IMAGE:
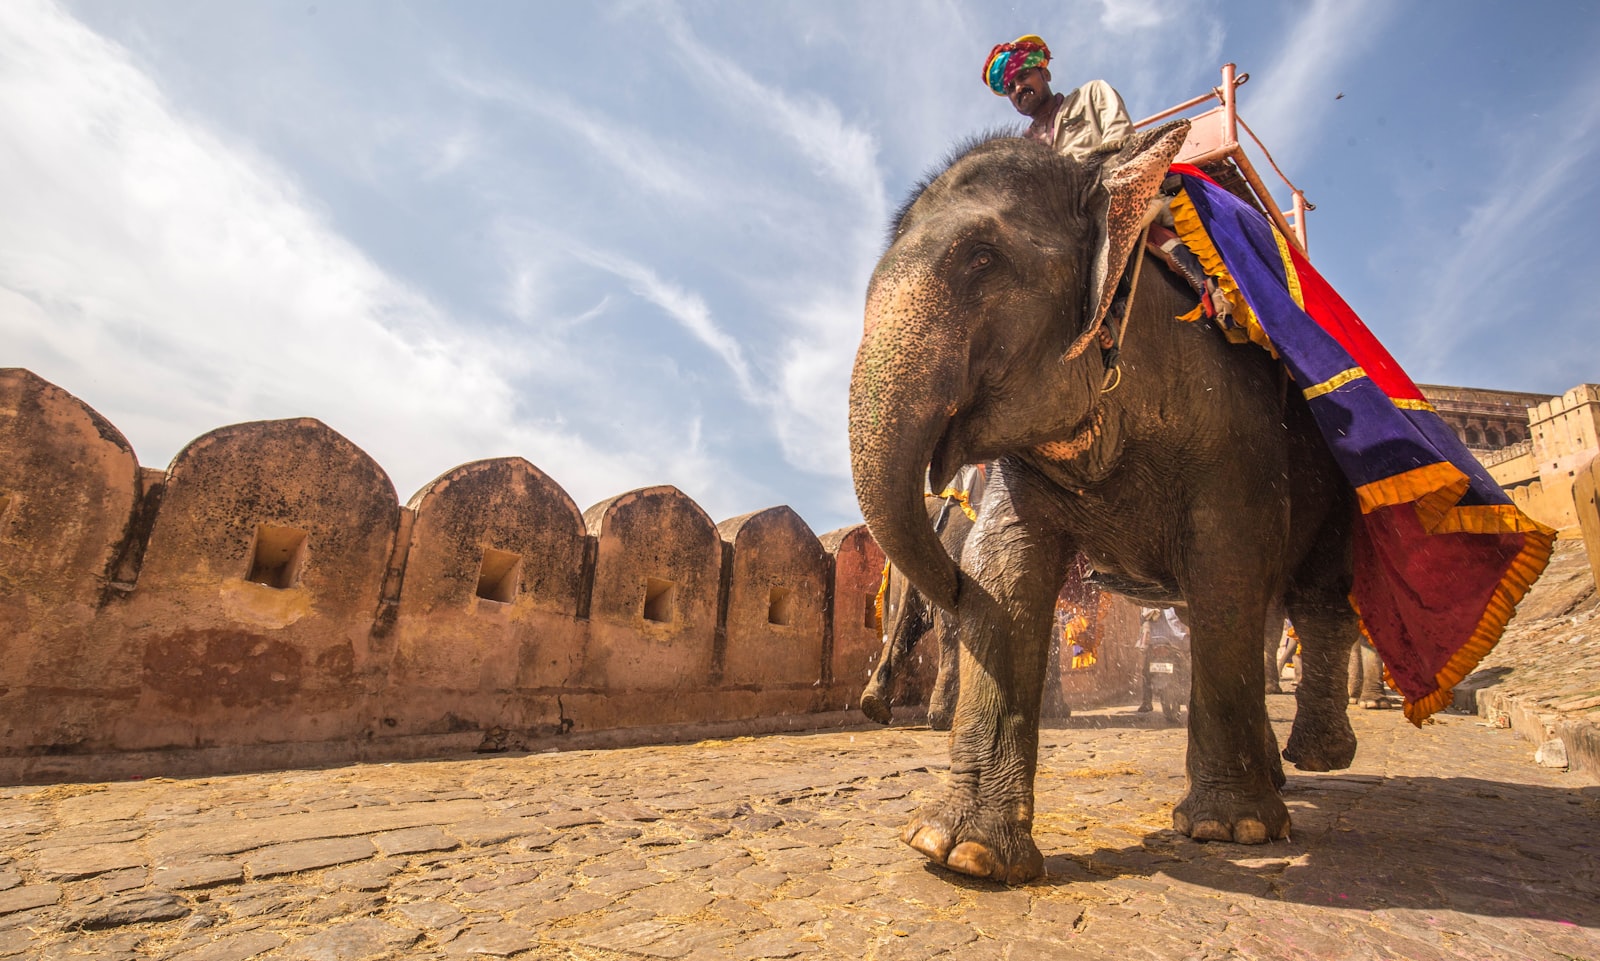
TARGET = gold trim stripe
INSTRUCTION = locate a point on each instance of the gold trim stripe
(1334, 383)
(1289, 273)
(1412, 404)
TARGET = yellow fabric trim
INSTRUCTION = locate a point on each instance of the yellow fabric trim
(1193, 233)
(883, 588)
(1413, 405)
(1489, 519)
(1334, 383)
(1289, 273)
(962, 498)
(1434, 489)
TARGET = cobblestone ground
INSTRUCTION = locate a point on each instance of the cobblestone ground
(1443, 842)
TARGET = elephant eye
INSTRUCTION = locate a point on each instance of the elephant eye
(981, 259)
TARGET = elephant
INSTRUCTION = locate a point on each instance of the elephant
(1181, 465)
(908, 617)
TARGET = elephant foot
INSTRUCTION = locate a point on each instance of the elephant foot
(1230, 816)
(974, 843)
(876, 708)
(1274, 686)
(1373, 704)
(940, 718)
(1319, 743)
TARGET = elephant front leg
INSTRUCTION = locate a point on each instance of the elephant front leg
(982, 825)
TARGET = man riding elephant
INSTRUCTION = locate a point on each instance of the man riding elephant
(1194, 477)
(1087, 121)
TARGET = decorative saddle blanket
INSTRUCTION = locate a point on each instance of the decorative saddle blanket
(1442, 556)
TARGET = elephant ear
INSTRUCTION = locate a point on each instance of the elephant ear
(1131, 178)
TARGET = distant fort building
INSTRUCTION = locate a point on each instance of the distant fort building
(1534, 445)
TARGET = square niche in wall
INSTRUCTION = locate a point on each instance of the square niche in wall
(499, 576)
(660, 600)
(780, 606)
(278, 556)
(871, 621)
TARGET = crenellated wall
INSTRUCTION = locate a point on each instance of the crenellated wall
(1563, 435)
(267, 600)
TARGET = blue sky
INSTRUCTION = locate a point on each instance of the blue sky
(630, 241)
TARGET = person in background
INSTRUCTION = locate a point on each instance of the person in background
(1158, 625)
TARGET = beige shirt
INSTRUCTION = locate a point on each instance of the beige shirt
(1090, 118)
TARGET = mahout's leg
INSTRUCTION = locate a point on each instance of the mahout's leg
(1013, 567)
(1319, 607)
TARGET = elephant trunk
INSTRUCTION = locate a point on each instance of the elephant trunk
(908, 375)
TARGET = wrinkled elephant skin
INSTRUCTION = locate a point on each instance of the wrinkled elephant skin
(1201, 472)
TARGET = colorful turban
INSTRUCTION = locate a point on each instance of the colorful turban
(1007, 60)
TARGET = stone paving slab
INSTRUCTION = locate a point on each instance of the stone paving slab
(1442, 842)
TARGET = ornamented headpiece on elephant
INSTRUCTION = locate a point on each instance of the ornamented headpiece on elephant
(1007, 60)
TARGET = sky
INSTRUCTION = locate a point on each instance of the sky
(630, 241)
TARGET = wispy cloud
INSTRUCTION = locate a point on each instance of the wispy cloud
(646, 162)
(685, 307)
(179, 282)
(1123, 16)
(1290, 95)
(810, 124)
(1504, 241)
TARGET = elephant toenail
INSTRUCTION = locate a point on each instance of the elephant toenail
(928, 840)
(1211, 831)
(1249, 831)
(970, 857)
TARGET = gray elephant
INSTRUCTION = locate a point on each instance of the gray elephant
(908, 617)
(1194, 478)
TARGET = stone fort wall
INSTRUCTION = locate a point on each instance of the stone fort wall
(1540, 473)
(267, 600)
